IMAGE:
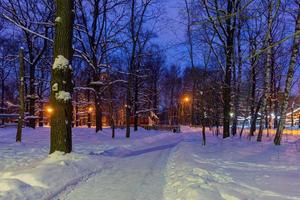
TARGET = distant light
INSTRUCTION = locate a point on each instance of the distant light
(186, 99)
(49, 110)
(231, 114)
(90, 109)
(272, 115)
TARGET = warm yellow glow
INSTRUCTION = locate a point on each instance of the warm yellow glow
(186, 99)
(90, 109)
(49, 110)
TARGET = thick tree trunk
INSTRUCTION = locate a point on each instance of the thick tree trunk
(289, 81)
(21, 97)
(61, 82)
(230, 29)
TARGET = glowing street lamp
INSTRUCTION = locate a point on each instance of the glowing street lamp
(49, 110)
(90, 109)
(186, 99)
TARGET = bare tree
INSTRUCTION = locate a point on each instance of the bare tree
(266, 92)
(223, 23)
(138, 10)
(97, 37)
(33, 17)
(289, 79)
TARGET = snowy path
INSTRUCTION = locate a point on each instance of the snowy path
(151, 165)
(139, 175)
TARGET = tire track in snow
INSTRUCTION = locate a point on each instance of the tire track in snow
(137, 175)
(73, 184)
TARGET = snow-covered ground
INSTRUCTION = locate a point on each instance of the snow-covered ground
(151, 165)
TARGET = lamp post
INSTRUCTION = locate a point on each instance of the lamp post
(185, 102)
(90, 110)
(49, 111)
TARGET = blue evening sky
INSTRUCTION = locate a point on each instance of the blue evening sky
(171, 33)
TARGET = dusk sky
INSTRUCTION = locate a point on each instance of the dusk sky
(172, 32)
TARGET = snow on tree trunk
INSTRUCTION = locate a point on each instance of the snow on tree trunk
(238, 80)
(266, 92)
(253, 113)
(61, 82)
(289, 80)
(21, 96)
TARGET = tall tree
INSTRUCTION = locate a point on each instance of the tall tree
(137, 19)
(289, 79)
(97, 37)
(191, 55)
(238, 75)
(266, 89)
(34, 19)
(61, 82)
(223, 21)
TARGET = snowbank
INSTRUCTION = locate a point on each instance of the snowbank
(233, 169)
(150, 165)
(46, 178)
